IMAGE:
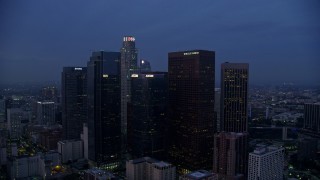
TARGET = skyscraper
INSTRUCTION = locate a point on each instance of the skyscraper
(234, 97)
(74, 97)
(46, 113)
(104, 105)
(233, 138)
(128, 64)
(191, 109)
(312, 117)
(146, 125)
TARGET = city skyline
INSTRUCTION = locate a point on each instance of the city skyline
(218, 90)
(269, 36)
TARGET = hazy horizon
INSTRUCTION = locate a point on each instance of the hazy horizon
(279, 39)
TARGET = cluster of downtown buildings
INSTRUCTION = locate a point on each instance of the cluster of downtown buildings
(140, 124)
(130, 112)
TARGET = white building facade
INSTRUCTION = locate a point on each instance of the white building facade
(266, 163)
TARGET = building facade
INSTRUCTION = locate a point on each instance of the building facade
(104, 108)
(266, 163)
(15, 119)
(70, 150)
(234, 97)
(312, 117)
(147, 168)
(148, 114)
(73, 99)
(129, 65)
(191, 109)
(231, 144)
(46, 113)
(229, 160)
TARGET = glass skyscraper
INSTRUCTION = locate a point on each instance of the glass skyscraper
(73, 98)
(129, 65)
(148, 114)
(104, 109)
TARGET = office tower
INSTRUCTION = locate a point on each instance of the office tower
(233, 121)
(129, 65)
(15, 119)
(70, 150)
(74, 97)
(234, 97)
(3, 109)
(312, 117)
(229, 159)
(191, 109)
(145, 66)
(148, 115)
(199, 175)
(266, 163)
(217, 109)
(147, 168)
(45, 113)
(3, 147)
(104, 102)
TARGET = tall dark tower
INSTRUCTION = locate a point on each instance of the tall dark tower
(230, 145)
(146, 127)
(74, 98)
(129, 65)
(191, 109)
(104, 108)
(234, 97)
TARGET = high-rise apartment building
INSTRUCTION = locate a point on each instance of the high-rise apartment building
(234, 97)
(74, 97)
(148, 114)
(312, 117)
(104, 105)
(191, 109)
(266, 163)
(46, 113)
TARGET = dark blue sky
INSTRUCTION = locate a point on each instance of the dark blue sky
(280, 39)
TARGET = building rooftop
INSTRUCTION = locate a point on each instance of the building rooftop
(261, 150)
(162, 164)
(199, 174)
(143, 159)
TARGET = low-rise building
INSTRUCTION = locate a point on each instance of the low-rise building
(147, 168)
(70, 150)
